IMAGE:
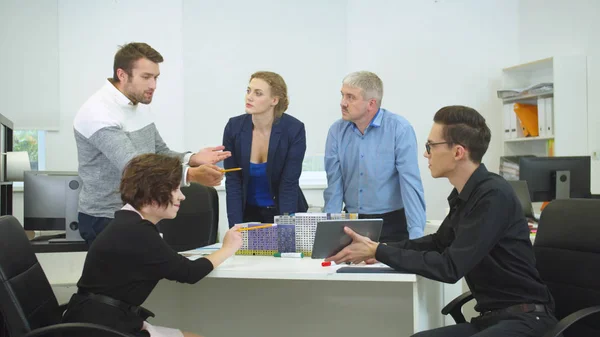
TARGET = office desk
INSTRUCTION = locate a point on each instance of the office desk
(267, 296)
(55, 247)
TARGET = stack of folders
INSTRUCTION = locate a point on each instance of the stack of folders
(509, 167)
(535, 89)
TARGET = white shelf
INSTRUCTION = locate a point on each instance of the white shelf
(527, 139)
(569, 99)
(527, 97)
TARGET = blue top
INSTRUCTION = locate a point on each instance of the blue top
(258, 186)
(377, 172)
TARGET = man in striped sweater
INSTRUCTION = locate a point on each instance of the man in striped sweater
(114, 125)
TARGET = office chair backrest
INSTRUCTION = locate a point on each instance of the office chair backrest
(197, 221)
(26, 298)
(567, 250)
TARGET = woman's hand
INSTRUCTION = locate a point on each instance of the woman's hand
(233, 239)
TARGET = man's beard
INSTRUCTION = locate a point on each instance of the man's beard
(141, 98)
(136, 97)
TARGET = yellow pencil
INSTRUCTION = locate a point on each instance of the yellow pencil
(231, 169)
(255, 227)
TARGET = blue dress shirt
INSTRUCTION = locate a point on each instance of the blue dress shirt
(377, 172)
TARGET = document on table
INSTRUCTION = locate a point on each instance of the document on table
(197, 253)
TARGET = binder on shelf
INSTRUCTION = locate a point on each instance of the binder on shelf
(549, 115)
(508, 111)
(519, 132)
(514, 124)
(528, 116)
(541, 110)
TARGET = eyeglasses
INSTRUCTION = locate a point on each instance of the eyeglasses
(428, 145)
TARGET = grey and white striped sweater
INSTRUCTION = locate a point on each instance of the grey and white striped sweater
(109, 132)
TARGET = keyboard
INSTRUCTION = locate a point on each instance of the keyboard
(48, 237)
(370, 270)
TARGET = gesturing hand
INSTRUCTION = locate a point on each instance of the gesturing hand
(209, 155)
(361, 249)
(207, 175)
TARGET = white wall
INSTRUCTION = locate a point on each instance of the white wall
(554, 28)
(89, 35)
(431, 54)
(225, 42)
(29, 59)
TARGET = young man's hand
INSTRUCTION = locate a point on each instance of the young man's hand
(207, 175)
(209, 155)
(361, 249)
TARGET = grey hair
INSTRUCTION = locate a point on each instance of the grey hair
(370, 83)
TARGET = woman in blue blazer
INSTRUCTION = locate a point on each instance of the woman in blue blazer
(269, 146)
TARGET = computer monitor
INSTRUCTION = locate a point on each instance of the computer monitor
(522, 191)
(550, 178)
(50, 202)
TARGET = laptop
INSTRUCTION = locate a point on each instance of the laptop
(522, 191)
(330, 237)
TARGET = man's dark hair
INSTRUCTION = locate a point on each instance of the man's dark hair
(131, 52)
(150, 178)
(465, 126)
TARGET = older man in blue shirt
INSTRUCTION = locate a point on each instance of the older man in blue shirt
(371, 162)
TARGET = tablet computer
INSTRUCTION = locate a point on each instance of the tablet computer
(330, 237)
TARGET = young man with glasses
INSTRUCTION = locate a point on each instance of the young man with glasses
(484, 238)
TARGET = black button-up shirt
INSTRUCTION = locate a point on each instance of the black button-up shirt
(484, 238)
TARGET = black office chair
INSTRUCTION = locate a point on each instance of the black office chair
(197, 221)
(28, 306)
(568, 255)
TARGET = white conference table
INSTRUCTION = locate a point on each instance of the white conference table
(263, 296)
(267, 296)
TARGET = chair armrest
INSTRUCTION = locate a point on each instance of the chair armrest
(454, 308)
(570, 320)
(52, 329)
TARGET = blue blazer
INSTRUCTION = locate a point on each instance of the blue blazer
(287, 145)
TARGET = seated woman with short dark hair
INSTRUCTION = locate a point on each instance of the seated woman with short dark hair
(129, 257)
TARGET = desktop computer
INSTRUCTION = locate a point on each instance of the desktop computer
(550, 178)
(50, 202)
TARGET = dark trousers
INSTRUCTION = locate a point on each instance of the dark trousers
(394, 225)
(91, 226)
(531, 324)
(259, 214)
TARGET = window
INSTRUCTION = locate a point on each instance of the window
(314, 163)
(34, 143)
(313, 171)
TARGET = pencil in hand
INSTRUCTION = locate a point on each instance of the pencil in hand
(255, 227)
(231, 169)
